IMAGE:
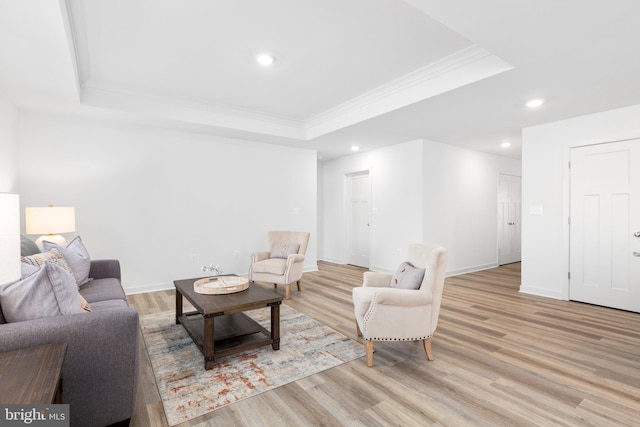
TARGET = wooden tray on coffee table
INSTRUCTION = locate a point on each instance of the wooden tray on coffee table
(220, 285)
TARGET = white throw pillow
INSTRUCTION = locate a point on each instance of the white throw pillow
(407, 277)
(283, 250)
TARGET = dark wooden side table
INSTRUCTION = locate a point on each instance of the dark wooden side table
(32, 375)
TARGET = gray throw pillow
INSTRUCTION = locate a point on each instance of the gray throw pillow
(283, 250)
(47, 292)
(76, 256)
(407, 277)
(27, 246)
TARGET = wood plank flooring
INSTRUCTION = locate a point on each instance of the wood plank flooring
(502, 358)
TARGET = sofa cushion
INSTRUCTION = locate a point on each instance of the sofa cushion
(108, 305)
(407, 277)
(76, 256)
(49, 291)
(283, 250)
(102, 290)
(271, 266)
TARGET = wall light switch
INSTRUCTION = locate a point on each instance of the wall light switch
(296, 211)
(535, 210)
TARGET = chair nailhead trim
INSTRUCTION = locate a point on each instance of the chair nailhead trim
(397, 339)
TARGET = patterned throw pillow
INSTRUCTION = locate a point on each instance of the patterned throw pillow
(84, 305)
(283, 250)
(35, 262)
(407, 277)
(77, 258)
(53, 256)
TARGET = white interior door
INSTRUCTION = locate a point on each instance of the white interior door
(509, 213)
(359, 218)
(604, 256)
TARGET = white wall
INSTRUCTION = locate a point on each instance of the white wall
(8, 145)
(545, 182)
(461, 203)
(396, 183)
(423, 191)
(153, 198)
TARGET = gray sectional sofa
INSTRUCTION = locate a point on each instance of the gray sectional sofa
(100, 371)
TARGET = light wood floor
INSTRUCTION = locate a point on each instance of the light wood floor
(502, 358)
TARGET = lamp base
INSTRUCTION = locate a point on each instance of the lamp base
(53, 238)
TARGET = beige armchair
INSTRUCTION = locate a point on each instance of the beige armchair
(385, 313)
(284, 264)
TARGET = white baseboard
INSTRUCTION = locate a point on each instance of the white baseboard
(471, 269)
(380, 269)
(131, 290)
(331, 260)
(541, 292)
(310, 268)
(148, 288)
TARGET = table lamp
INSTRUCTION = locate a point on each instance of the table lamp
(9, 238)
(49, 222)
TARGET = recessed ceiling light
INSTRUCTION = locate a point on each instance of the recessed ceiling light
(534, 103)
(505, 144)
(354, 148)
(265, 59)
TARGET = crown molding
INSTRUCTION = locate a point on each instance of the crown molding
(458, 69)
(100, 94)
(77, 38)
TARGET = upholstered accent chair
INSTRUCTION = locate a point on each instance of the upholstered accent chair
(283, 264)
(386, 313)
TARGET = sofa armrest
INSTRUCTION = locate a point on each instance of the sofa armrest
(100, 369)
(105, 269)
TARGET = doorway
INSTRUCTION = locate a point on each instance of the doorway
(604, 254)
(358, 194)
(509, 214)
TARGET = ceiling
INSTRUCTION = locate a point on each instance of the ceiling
(359, 72)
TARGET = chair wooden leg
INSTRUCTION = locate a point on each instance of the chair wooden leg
(287, 292)
(358, 331)
(369, 349)
(427, 349)
(298, 283)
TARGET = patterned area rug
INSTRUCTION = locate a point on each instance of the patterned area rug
(188, 390)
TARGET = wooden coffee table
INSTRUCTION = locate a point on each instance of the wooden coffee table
(219, 326)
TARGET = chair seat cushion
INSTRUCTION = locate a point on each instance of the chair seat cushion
(270, 266)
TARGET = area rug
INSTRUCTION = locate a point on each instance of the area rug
(188, 390)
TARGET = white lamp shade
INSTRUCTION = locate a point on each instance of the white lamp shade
(9, 238)
(50, 220)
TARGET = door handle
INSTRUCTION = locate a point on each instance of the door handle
(637, 234)
(636, 254)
